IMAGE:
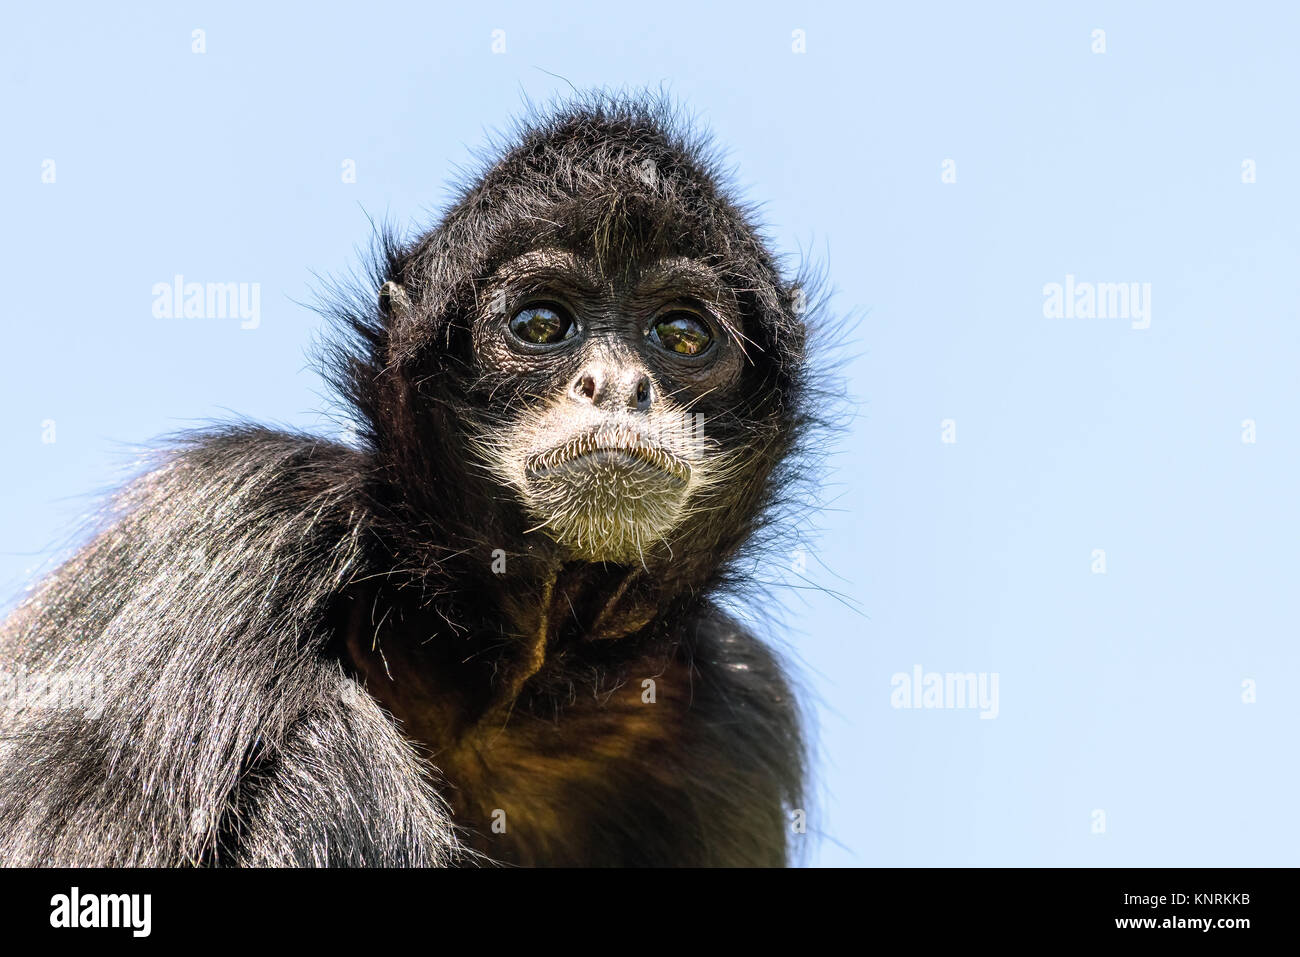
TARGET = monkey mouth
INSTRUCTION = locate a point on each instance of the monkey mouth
(617, 449)
(606, 494)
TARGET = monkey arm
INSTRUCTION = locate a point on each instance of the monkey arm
(206, 723)
(745, 751)
(342, 789)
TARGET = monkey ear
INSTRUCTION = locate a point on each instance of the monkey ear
(393, 301)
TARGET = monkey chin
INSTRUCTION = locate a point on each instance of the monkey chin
(608, 505)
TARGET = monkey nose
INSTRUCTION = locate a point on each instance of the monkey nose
(599, 388)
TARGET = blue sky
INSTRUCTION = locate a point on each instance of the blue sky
(1119, 692)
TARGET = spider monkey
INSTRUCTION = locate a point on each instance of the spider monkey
(488, 629)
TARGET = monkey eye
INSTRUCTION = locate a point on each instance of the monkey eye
(682, 333)
(542, 325)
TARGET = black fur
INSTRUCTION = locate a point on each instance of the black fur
(305, 655)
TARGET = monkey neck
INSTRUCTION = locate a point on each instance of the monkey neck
(465, 664)
(583, 601)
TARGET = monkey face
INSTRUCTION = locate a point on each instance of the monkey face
(593, 384)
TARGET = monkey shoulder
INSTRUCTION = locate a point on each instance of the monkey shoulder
(730, 655)
(187, 639)
(235, 529)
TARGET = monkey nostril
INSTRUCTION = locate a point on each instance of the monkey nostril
(585, 386)
(643, 393)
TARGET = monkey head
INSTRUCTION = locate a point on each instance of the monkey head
(594, 347)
